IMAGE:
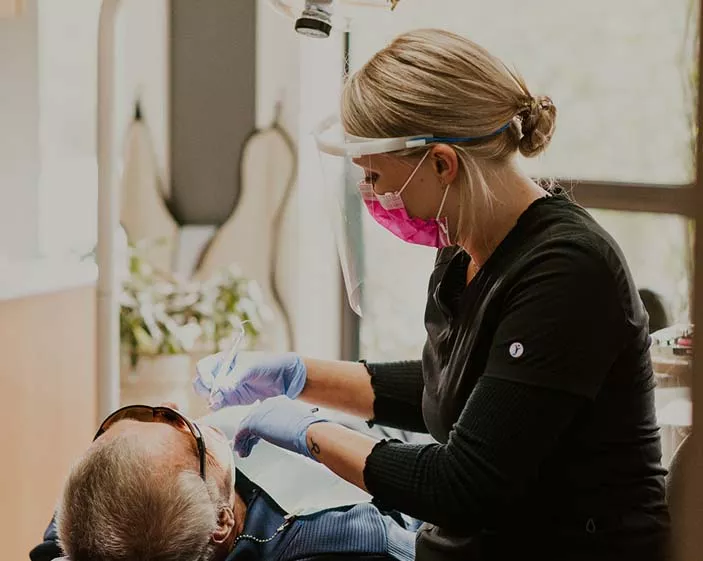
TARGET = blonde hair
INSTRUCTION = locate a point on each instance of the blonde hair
(431, 81)
(119, 505)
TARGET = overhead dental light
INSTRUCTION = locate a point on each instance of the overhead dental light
(317, 18)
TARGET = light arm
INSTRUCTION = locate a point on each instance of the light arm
(108, 339)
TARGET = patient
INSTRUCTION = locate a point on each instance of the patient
(155, 486)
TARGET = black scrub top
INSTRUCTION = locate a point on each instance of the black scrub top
(537, 384)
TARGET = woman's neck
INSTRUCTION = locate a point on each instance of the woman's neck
(513, 192)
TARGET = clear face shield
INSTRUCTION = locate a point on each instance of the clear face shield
(347, 192)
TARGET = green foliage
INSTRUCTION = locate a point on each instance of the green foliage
(162, 314)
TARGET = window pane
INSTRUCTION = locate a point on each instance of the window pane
(655, 247)
(395, 289)
(616, 71)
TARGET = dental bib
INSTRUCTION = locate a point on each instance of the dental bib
(299, 485)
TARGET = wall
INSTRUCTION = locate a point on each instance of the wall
(48, 200)
(143, 72)
(68, 98)
(41, 448)
(68, 189)
(304, 75)
(11, 8)
(19, 148)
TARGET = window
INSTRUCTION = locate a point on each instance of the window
(395, 288)
(616, 76)
(658, 251)
(620, 79)
(656, 247)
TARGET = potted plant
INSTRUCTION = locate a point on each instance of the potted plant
(166, 323)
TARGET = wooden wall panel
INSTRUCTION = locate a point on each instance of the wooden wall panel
(47, 406)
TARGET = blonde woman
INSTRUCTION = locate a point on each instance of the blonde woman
(535, 381)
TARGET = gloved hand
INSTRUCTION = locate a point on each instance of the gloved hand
(276, 375)
(280, 421)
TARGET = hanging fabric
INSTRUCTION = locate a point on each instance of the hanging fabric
(143, 211)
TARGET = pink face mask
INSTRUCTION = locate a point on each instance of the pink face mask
(389, 211)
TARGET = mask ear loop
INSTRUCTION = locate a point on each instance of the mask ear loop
(444, 225)
(417, 167)
(367, 174)
(444, 198)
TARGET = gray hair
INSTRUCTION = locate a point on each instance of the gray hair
(120, 505)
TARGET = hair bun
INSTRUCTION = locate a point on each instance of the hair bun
(538, 123)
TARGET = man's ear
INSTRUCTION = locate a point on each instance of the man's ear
(225, 525)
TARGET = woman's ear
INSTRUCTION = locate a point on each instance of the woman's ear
(445, 163)
(225, 525)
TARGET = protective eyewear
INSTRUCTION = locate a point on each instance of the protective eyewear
(149, 414)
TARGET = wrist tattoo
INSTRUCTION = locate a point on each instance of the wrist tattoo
(314, 447)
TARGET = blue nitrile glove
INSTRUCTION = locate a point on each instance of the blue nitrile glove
(276, 375)
(280, 421)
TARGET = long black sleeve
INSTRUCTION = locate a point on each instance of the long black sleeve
(493, 453)
(398, 388)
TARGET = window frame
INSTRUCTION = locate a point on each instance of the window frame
(634, 197)
(690, 511)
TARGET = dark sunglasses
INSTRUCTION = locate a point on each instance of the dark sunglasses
(148, 414)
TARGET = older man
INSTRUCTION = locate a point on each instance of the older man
(156, 486)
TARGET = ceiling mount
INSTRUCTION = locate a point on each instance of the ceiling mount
(318, 18)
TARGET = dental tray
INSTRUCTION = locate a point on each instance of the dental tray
(674, 341)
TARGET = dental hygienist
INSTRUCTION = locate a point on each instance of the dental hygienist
(535, 380)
